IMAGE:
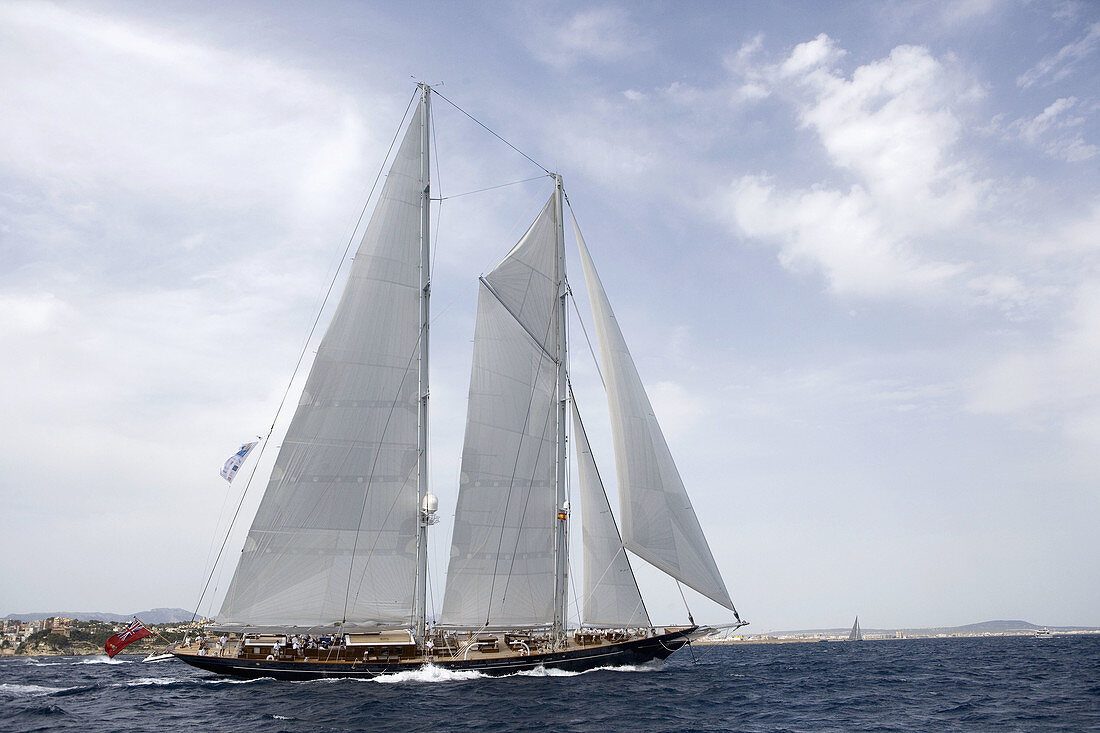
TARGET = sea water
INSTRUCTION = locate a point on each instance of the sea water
(999, 683)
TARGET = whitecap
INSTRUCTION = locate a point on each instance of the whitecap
(18, 690)
(428, 673)
(103, 659)
(146, 681)
(554, 672)
(627, 668)
(545, 672)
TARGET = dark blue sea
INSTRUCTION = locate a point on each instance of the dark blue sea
(1002, 684)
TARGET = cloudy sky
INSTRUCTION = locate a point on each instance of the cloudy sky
(855, 248)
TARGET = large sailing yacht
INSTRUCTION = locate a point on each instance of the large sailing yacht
(331, 581)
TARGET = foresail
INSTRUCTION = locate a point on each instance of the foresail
(334, 539)
(501, 569)
(658, 521)
(611, 596)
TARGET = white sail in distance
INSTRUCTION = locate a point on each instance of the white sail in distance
(501, 570)
(334, 539)
(658, 522)
(611, 596)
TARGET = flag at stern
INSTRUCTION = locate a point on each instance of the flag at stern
(134, 632)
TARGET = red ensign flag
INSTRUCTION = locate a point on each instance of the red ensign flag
(124, 638)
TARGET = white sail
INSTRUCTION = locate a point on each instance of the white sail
(334, 539)
(658, 522)
(611, 596)
(501, 570)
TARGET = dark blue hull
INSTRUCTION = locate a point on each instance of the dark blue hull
(635, 651)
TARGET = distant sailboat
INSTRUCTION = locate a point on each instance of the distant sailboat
(855, 634)
(332, 578)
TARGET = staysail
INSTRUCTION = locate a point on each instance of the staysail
(334, 539)
(611, 596)
(501, 570)
(658, 521)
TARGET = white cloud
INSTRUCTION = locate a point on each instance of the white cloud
(839, 233)
(1055, 130)
(807, 57)
(602, 34)
(117, 108)
(1051, 384)
(1061, 64)
(891, 126)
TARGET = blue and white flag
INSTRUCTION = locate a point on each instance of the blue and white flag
(229, 470)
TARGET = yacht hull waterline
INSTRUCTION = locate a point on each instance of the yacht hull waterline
(627, 653)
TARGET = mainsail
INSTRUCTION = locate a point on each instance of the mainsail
(334, 540)
(501, 570)
(611, 596)
(658, 522)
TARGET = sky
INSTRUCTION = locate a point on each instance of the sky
(854, 247)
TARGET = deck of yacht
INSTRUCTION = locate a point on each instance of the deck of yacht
(399, 647)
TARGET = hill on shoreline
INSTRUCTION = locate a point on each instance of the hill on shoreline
(150, 616)
(982, 627)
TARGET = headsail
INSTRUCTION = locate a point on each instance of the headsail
(611, 596)
(658, 521)
(501, 570)
(334, 540)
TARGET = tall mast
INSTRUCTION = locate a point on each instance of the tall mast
(422, 511)
(561, 544)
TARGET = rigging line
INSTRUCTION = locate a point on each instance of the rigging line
(494, 134)
(685, 600)
(591, 350)
(221, 515)
(538, 344)
(489, 188)
(233, 521)
(576, 595)
(439, 209)
(584, 330)
(301, 355)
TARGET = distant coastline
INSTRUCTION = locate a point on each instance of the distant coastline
(42, 634)
(84, 634)
(969, 631)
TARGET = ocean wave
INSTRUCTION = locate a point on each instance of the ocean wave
(428, 673)
(151, 681)
(545, 672)
(553, 672)
(8, 688)
(103, 659)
